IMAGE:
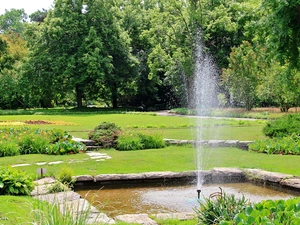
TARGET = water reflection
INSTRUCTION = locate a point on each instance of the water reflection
(151, 200)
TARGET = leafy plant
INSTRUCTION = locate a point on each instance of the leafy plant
(220, 207)
(270, 212)
(14, 182)
(289, 145)
(65, 147)
(105, 134)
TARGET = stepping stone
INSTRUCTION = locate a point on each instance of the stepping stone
(19, 165)
(41, 163)
(55, 163)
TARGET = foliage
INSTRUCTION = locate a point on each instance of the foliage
(13, 21)
(14, 182)
(242, 75)
(105, 134)
(219, 207)
(270, 212)
(8, 148)
(287, 145)
(283, 126)
(94, 55)
(57, 186)
(26, 140)
(281, 30)
(65, 176)
(63, 147)
(51, 214)
(136, 141)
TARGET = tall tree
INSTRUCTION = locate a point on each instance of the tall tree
(13, 21)
(82, 47)
(281, 30)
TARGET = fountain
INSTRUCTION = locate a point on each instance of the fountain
(203, 97)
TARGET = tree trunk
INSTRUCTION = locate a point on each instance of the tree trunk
(114, 95)
(79, 96)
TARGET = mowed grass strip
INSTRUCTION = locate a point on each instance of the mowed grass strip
(172, 158)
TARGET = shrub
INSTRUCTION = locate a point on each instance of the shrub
(220, 207)
(8, 148)
(137, 141)
(128, 142)
(150, 141)
(14, 182)
(105, 134)
(33, 144)
(283, 126)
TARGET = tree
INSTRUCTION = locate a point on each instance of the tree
(38, 16)
(243, 74)
(281, 30)
(13, 21)
(79, 48)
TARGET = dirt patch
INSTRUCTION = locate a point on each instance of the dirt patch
(33, 122)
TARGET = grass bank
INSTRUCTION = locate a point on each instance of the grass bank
(172, 158)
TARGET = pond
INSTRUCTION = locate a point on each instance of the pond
(153, 199)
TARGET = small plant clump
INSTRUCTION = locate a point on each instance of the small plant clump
(137, 141)
(220, 207)
(105, 134)
(14, 182)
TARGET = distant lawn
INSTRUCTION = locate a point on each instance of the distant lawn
(173, 127)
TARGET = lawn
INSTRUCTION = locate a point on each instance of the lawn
(172, 158)
(173, 127)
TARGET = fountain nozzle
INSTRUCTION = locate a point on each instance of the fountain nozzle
(198, 191)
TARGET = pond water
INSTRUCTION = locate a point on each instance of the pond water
(166, 199)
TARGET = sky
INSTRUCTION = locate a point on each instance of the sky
(29, 6)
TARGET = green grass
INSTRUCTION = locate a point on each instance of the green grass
(172, 158)
(16, 210)
(171, 127)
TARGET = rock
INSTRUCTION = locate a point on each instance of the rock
(266, 176)
(179, 216)
(60, 197)
(136, 218)
(84, 178)
(292, 183)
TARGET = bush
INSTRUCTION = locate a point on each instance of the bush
(8, 148)
(24, 140)
(105, 134)
(289, 145)
(283, 126)
(33, 144)
(14, 182)
(220, 207)
(128, 142)
(137, 141)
